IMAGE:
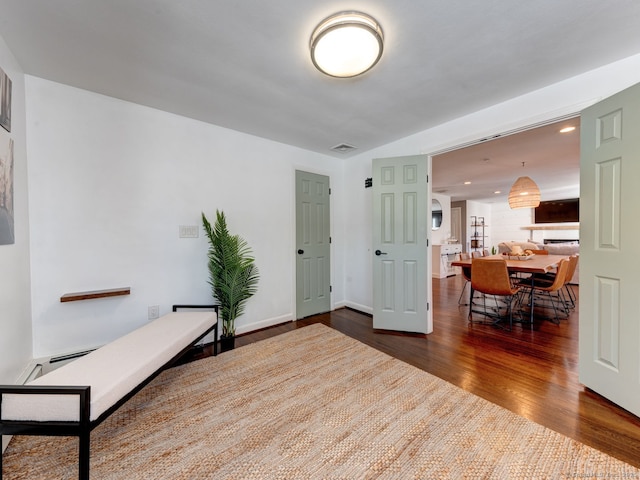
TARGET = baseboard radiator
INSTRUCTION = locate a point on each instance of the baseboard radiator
(39, 367)
(33, 371)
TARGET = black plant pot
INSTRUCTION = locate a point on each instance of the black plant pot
(227, 343)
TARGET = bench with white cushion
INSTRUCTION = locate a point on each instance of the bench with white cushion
(74, 399)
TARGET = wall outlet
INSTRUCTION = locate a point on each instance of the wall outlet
(154, 311)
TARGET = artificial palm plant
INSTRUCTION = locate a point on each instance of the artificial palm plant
(233, 274)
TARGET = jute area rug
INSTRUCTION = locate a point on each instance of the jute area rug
(311, 404)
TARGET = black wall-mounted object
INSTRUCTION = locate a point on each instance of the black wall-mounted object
(558, 211)
(368, 182)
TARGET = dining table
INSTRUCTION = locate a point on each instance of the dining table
(533, 264)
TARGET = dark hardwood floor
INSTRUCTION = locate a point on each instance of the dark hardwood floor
(532, 373)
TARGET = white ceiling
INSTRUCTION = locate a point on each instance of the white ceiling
(245, 64)
(551, 159)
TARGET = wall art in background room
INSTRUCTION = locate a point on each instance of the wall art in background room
(5, 101)
(7, 236)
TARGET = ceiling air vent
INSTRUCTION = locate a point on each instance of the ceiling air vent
(343, 148)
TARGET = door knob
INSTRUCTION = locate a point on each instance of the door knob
(300, 251)
(378, 252)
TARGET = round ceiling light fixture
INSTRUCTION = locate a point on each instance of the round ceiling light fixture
(346, 44)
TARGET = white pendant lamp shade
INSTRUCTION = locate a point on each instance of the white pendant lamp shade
(524, 194)
(346, 44)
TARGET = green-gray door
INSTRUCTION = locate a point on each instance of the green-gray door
(609, 233)
(313, 244)
(401, 267)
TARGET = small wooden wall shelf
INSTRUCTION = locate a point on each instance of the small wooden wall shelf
(112, 292)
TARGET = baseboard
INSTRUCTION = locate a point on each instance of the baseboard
(269, 322)
(360, 308)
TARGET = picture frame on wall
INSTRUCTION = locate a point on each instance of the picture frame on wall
(7, 228)
(5, 101)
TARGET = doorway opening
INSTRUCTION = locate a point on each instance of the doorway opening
(476, 179)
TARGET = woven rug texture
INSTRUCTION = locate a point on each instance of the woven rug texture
(311, 404)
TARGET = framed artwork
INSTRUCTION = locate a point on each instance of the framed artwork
(7, 235)
(5, 101)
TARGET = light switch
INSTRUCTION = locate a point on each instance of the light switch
(189, 231)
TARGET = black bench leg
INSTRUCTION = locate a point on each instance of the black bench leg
(85, 451)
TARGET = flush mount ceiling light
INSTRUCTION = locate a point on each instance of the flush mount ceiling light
(524, 193)
(346, 44)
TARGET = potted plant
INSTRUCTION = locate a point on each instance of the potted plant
(233, 275)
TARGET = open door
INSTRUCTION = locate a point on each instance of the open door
(401, 225)
(609, 254)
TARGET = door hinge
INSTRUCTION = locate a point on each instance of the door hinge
(427, 178)
(329, 239)
(329, 191)
(428, 306)
(330, 289)
(427, 242)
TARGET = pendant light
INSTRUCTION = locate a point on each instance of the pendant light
(524, 193)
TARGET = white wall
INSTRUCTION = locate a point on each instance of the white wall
(111, 181)
(563, 98)
(15, 295)
(507, 223)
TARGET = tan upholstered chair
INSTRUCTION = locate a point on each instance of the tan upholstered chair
(549, 294)
(567, 294)
(466, 274)
(491, 277)
(570, 300)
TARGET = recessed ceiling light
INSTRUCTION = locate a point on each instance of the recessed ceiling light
(467, 183)
(346, 44)
(497, 191)
(567, 129)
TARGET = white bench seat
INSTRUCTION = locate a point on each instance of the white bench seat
(75, 398)
(111, 371)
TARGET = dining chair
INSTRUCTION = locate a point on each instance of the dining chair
(517, 277)
(573, 266)
(566, 293)
(491, 277)
(474, 254)
(551, 292)
(466, 274)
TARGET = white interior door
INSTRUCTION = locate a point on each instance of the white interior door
(609, 238)
(456, 224)
(313, 244)
(401, 267)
